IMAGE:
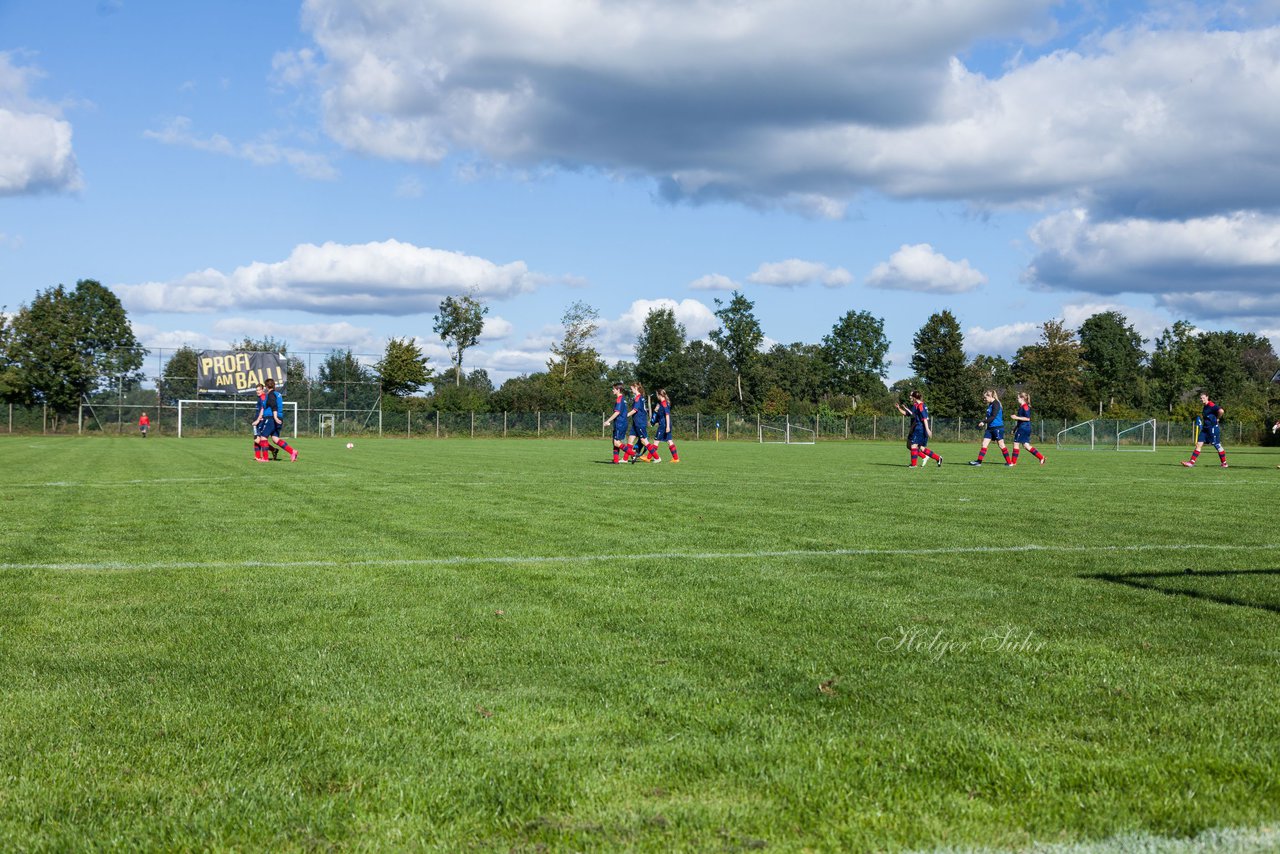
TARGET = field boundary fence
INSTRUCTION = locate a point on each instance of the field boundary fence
(331, 418)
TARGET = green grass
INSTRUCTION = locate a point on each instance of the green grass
(508, 644)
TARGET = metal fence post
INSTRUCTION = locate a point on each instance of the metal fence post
(504, 423)
(570, 425)
(473, 424)
(437, 423)
(697, 423)
(539, 423)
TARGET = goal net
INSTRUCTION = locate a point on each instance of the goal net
(1139, 437)
(223, 417)
(788, 434)
(1078, 437)
(1109, 434)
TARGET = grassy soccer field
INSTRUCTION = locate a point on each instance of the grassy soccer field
(497, 644)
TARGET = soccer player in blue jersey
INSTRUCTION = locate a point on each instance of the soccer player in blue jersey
(921, 430)
(618, 419)
(994, 422)
(662, 418)
(273, 419)
(640, 426)
(1022, 433)
(1210, 431)
(260, 446)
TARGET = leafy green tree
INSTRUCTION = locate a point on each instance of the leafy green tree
(1051, 369)
(799, 371)
(991, 372)
(710, 377)
(739, 337)
(178, 378)
(1112, 355)
(660, 361)
(472, 394)
(1175, 365)
(459, 324)
(403, 369)
(66, 344)
(344, 380)
(9, 374)
(939, 362)
(855, 352)
(574, 351)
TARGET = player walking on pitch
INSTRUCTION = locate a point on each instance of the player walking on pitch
(639, 416)
(662, 419)
(994, 422)
(921, 430)
(1210, 431)
(144, 424)
(272, 414)
(618, 419)
(1022, 433)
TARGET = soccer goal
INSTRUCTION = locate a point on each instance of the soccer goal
(789, 434)
(1139, 437)
(1078, 437)
(197, 417)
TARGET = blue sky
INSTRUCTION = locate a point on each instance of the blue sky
(325, 172)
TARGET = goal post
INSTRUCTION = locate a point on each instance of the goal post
(1139, 437)
(788, 434)
(1077, 437)
(225, 416)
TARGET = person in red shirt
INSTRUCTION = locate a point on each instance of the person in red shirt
(144, 424)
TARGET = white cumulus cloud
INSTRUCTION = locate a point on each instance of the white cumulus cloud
(390, 277)
(921, 268)
(35, 141)
(794, 273)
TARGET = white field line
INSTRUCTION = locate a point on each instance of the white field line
(481, 560)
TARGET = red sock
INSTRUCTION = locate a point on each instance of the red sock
(915, 456)
(1005, 451)
(925, 452)
(1222, 455)
(615, 454)
(284, 446)
(1194, 455)
(1038, 455)
(674, 455)
(982, 452)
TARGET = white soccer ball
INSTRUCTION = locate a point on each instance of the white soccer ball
(350, 445)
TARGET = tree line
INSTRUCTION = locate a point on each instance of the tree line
(69, 343)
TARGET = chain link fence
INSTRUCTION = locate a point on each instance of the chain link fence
(328, 416)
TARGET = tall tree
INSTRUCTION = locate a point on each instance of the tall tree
(709, 375)
(798, 370)
(1111, 350)
(403, 369)
(738, 337)
(9, 379)
(855, 351)
(1051, 370)
(1175, 365)
(991, 372)
(580, 323)
(939, 361)
(344, 380)
(459, 324)
(178, 378)
(66, 344)
(660, 361)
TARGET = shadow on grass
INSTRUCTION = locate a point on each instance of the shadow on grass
(1158, 582)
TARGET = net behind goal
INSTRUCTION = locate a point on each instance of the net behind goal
(787, 434)
(1109, 434)
(226, 417)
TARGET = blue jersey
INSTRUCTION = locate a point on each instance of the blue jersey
(641, 416)
(1210, 416)
(919, 415)
(1023, 429)
(273, 405)
(995, 414)
(620, 410)
(662, 418)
